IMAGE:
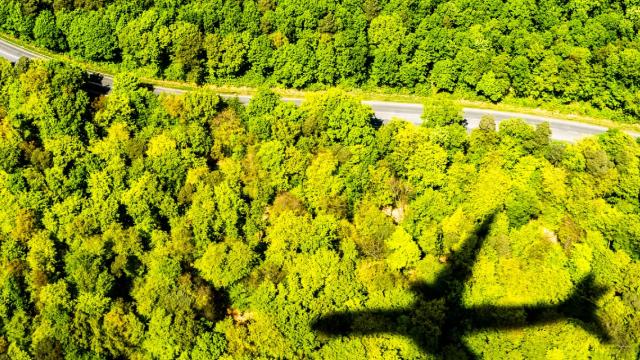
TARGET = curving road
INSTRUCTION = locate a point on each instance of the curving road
(563, 130)
(13, 53)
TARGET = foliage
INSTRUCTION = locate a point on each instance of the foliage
(558, 52)
(138, 226)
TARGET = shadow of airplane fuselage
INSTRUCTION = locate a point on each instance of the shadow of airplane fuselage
(438, 319)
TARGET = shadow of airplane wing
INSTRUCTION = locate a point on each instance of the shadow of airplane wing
(449, 281)
(433, 317)
(436, 328)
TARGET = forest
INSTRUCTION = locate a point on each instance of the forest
(547, 51)
(141, 226)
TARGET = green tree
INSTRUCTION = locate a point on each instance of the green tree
(91, 36)
(404, 252)
(444, 75)
(141, 226)
(186, 52)
(46, 32)
(226, 56)
(295, 64)
(338, 118)
(260, 55)
(224, 263)
(142, 42)
(386, 36)
(442, 113)
(492, 87)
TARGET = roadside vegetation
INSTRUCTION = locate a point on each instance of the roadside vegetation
(142, 226)
(578, 55)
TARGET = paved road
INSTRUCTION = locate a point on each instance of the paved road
(561, 129)
(13, 53)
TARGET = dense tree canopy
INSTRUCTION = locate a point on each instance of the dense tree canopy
(548, 50)
(142, 226)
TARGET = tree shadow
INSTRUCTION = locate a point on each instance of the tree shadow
(438, 319)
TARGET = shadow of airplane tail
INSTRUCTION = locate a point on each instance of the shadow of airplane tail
(438, 332)
(438, 319)
(358, 323)
(432, 322)
(423, 329)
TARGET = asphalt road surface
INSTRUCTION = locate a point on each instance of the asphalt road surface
(564, 130)
(13, 53)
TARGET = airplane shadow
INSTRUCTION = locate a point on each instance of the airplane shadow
(439, 319)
